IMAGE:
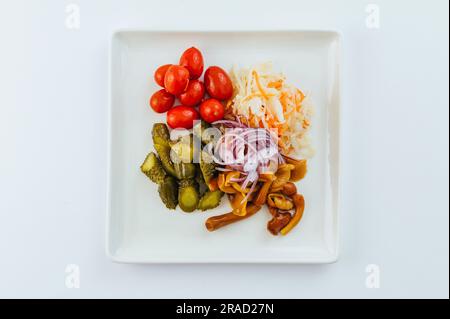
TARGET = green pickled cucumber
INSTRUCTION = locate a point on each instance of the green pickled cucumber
(199, 132)
(185, 170)
(207, 167)
(202, 187)
(160, 134)
(152, 167)
(182, 153)
(164, 154)
(188, 196)
(210, 200)
(168, 192)
(183, 148)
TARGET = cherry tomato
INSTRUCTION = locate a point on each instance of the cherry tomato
(182, 116)
(193, 94)
(218, 83)
(211, 110)
(192, 60)
(176, 79)
(160, 73)
(161, 101)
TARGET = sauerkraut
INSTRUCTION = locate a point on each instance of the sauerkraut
(263, 98)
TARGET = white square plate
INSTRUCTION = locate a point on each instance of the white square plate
(141, 229)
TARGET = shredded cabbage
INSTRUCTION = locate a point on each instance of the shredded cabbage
(262, 98)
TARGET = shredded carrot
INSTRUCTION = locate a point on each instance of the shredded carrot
(275, 84)
(305, 123)
(251, 96)
(258, 84)
(283, 101)
(302, 96)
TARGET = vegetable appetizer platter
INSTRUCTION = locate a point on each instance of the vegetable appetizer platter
(224, 147)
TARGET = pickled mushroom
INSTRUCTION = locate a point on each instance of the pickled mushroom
(300, 168)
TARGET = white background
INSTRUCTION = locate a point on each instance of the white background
(394, 212)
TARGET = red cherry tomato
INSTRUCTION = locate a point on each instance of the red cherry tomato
(211, 110)
(160, 73)
(176, 79)
(182, 117)
(218, 83)
(162, 101)
(192, 60)
(193, 94)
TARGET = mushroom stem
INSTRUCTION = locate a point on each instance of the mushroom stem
(278, 222)
(299, 203)
(262, 195)
(216, 222)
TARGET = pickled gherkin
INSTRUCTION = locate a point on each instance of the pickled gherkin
(181, 181)
(160, 134)
(201, 133)
(188, 195)
(185, 170)
(210, 200)
(168, 192)
(202, 187)
(152, 167)
(207, 167)
(183, 149)
(164, 154)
